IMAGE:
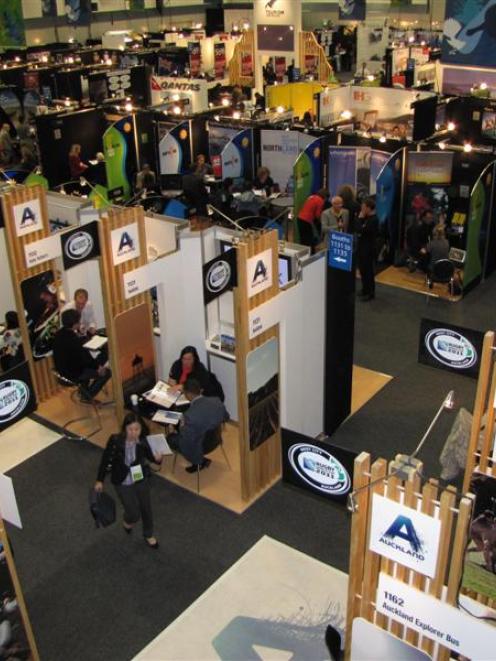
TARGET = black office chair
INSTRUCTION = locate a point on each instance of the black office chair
(78, 394)
(211, 441)
(442, 271)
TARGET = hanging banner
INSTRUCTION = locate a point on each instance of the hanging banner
(218, 137)
(351, 10)
(12, 33)
(80, 244)
(174, 148)
(378, 160)
(49, 8)
(449, 347)
(220, 60)
(78, 12)
(341, 168)
(307, 174)
(117, 146)
(280, 68)
(469, 37)
(236, 157)
(125, 243)
(194, 58)
(17, 396)
(480, 202)
(219, 275)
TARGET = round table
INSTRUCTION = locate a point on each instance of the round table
(282, 202)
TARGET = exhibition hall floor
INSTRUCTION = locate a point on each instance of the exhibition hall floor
(99, 595)
(403, 278)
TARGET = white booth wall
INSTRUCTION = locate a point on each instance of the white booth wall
(7, 298)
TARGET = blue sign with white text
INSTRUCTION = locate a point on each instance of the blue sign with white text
(340, 250)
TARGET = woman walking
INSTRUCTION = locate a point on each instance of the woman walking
(126, 458)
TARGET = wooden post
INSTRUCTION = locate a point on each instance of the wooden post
(262, 466)
(45, 384)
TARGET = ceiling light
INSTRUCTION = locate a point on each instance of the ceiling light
(451, 126)
(467, 147)
(346, 114)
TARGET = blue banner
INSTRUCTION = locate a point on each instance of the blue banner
(341, 168)
(78, 12)
(388, 188)
(340, 255)
(236, 157)
(378, 160)
(352, 10)
(469, 33)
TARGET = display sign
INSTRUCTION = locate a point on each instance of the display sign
(194, 58)
(143, 278)
(435, 619)
(219, 275)
(352, 10)
(41, 251)
(41, 308)
(340, 250)
(220, 60)
(17, 396)
(27, 217)
(319, 467)
(449, 347)
(166, 90)
(259, 276)
(429, 167)
(80, 244)
(404, 535)
(263, 317)
(370, 642)
(125, 243)
(468, 33)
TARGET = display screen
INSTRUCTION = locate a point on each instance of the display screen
(275, 37)
(429, 167)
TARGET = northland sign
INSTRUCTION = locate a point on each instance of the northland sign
(404, 535)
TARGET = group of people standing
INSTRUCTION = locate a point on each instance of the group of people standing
(317, 218)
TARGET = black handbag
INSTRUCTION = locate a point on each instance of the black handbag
(102, 508)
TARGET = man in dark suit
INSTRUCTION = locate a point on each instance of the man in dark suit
(204, 416)
(75, 362)
(368, 228)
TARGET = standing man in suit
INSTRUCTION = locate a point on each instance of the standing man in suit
(368, 227)
(205, 415)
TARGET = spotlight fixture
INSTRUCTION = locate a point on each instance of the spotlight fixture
(370, 77)
(225, 102)
(451, 126)
(382, 138)
(176, 110)
(467, 147)
(128, 107)
(442, 145)
(236, 114)
(280, 109)
(483, 86)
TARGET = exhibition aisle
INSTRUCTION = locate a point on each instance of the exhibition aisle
(23, 440)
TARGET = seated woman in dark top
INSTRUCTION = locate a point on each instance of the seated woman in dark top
(438, 247)
(263, 180)
(186, 366)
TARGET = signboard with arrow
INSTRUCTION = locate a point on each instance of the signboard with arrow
(340, 250)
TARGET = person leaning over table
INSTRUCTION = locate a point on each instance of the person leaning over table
(309, 218)
(81, 303)
(205, 414)
(126, 458)
(188, 365)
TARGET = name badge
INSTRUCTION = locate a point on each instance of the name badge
(136, 473)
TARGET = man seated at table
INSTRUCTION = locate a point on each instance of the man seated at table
(204, 415)
(83, 305)
(76, 363)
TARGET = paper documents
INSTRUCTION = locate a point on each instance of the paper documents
(167, 417)
(158, 444)
(96, 342)
(162, 395)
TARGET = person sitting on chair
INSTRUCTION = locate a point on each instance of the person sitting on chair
(438, 248)
(145, 179)
(187, 366)
(73, 361)
(205, 414)
(81, 303)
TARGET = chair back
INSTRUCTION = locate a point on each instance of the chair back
(442, 270)
(212, 440)
(63, 380)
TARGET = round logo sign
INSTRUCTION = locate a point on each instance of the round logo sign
(218, 276)
(450, 348)
(319, 469)
(14, 395)
(79, 245)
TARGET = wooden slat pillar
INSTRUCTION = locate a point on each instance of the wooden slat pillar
(482, 404)
(44, 382)
(261, 466)
(114, 302)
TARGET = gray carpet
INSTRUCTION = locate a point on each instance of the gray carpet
(96, 594)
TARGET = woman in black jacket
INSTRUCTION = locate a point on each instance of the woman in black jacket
(126, 458)
(188, 366)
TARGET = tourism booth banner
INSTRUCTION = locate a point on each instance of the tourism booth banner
(449, 347)
(220, 60)
(117, 145)
(237, 156)
(174, 147)
(167, 90)
(307, 174)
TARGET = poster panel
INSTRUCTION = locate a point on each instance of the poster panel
(469, 37)
(429, 167)
(12, 33)
(134, 337)
(459, 81)
(220, 60)
(307, 174)
(280, 150)
(388, 194)
(448, 347)
(236, 157)
(41, 307)
(378, 160)
(479, 571)
(194, 58)
(280, 68)
(262, 385)
(341, 168)
(218, 137)
(219, 275)
(78, 12)
(478, 219)
(27, 217)
(117, 146)
(174, 148)
(352, 10)
(49, 8)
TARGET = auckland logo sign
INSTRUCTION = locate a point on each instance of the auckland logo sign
(14, 396)
(79, 245)
(450, 348)
(404, 535)
(319, 469)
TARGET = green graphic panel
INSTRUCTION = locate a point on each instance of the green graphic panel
(35, 179)
(303, 185)
(115, 150)
(11, 24)
(473, 264)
